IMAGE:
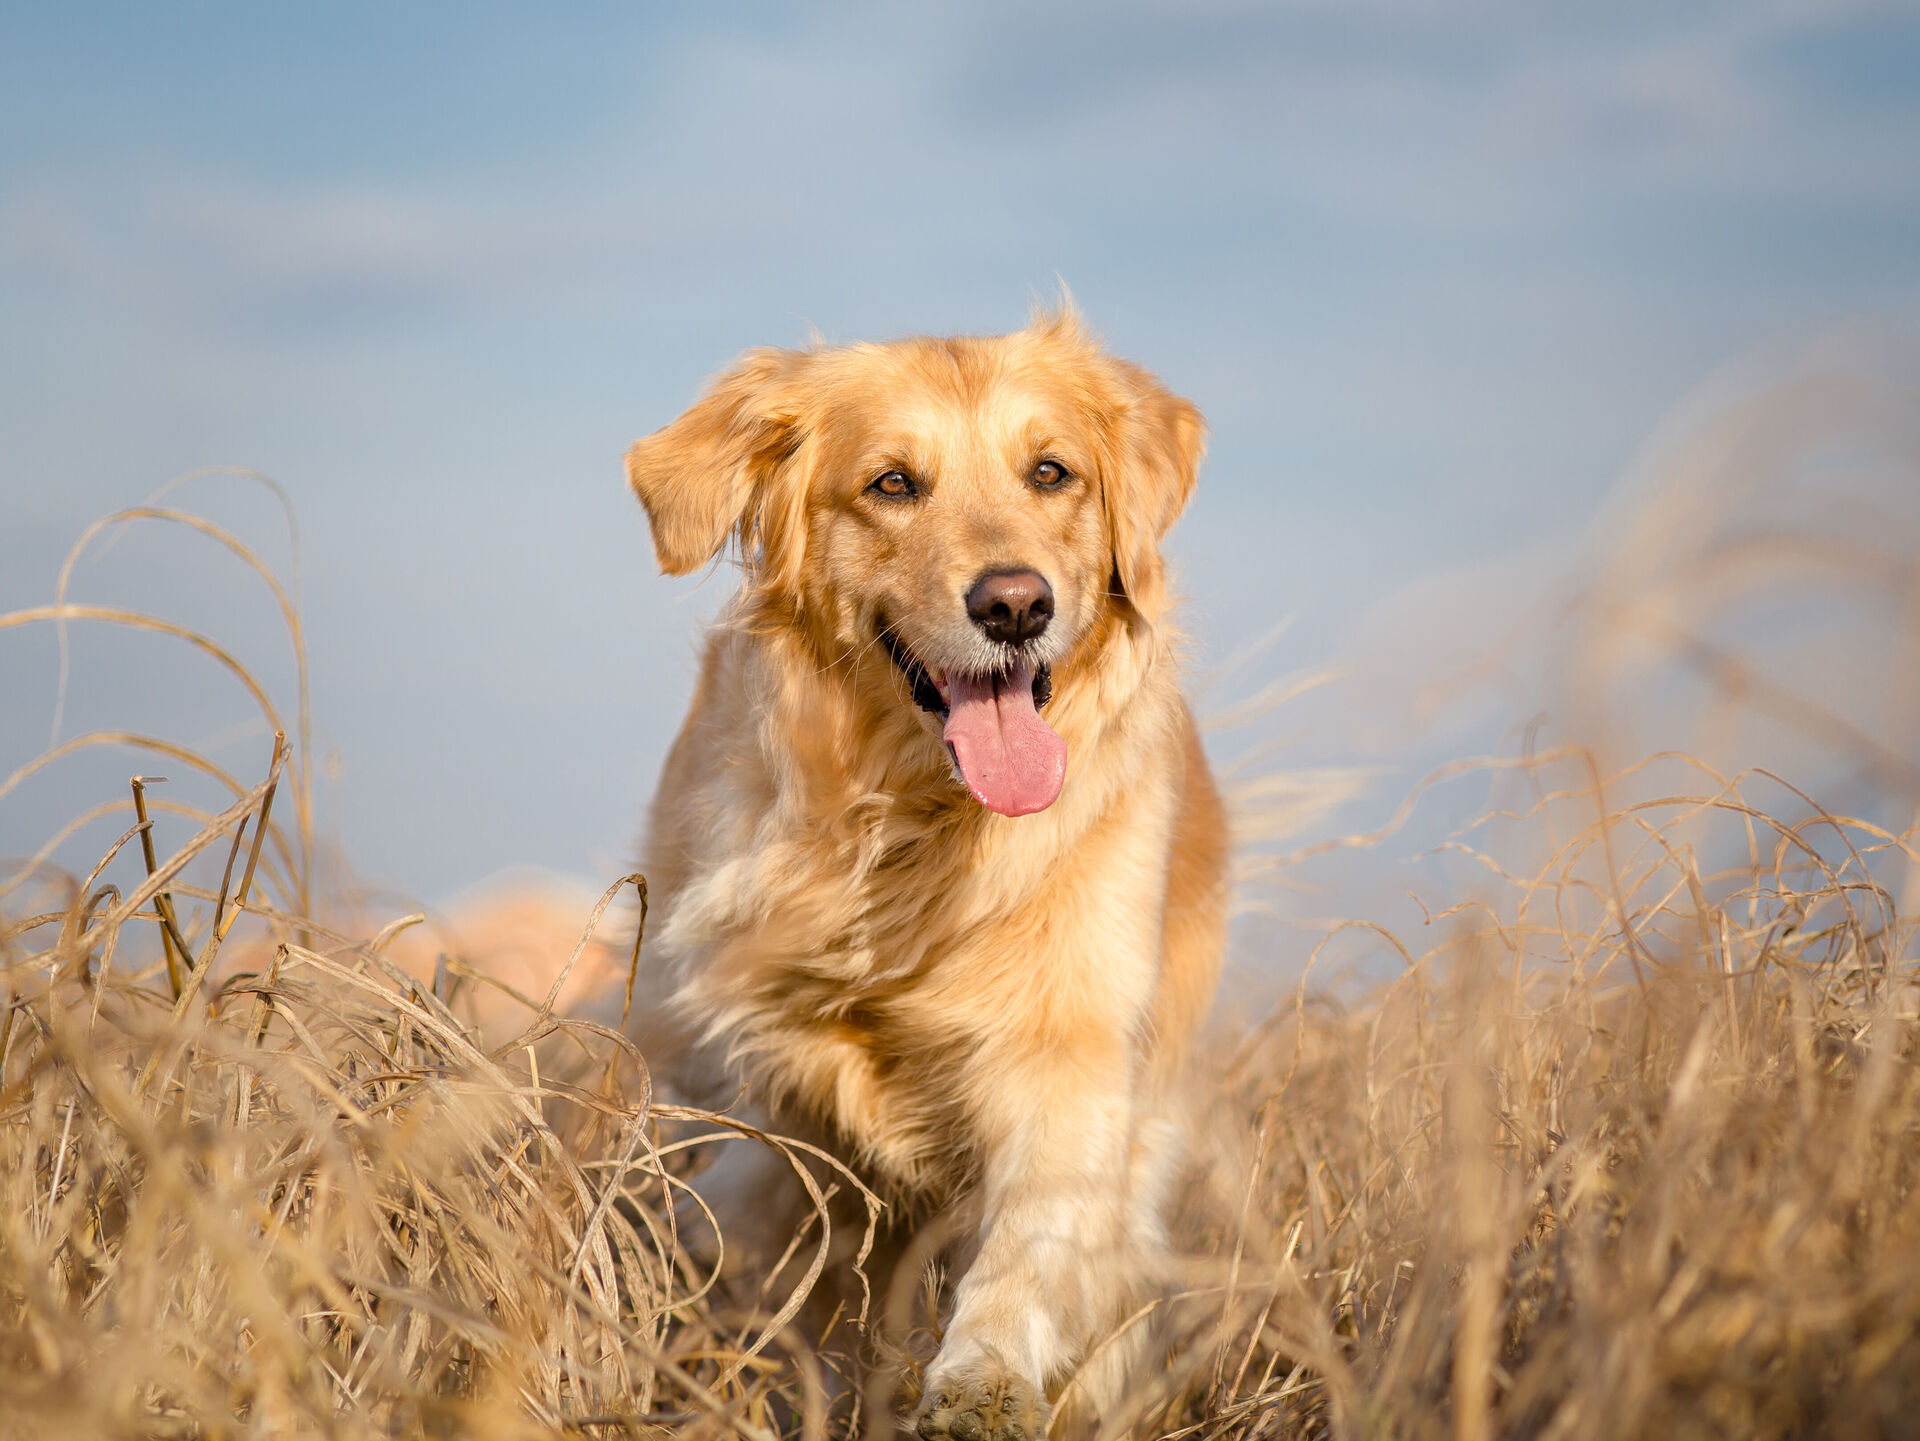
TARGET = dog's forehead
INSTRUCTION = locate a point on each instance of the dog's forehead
(987, 393)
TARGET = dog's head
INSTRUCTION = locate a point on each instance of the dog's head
(980, 508)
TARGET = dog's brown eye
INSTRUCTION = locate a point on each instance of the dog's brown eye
(895, 483)
(1049, 473)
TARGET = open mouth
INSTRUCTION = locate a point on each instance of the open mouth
(1012, 761)
(931, 694)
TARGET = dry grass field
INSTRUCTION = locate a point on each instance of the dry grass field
(1627, 1148)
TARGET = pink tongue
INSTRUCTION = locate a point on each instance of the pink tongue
(1012, 760)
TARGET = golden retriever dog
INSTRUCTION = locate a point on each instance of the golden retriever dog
(939, 869)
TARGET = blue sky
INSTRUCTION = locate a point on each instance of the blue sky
(1435, 275)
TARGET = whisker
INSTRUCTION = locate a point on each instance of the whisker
(854, 651)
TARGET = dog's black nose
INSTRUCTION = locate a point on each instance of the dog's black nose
(1011, 605)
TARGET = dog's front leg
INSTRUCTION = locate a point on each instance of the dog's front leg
(1053, 1262)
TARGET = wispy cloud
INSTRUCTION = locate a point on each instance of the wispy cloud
(937, 142)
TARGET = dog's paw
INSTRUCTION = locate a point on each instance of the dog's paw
(985, 1404)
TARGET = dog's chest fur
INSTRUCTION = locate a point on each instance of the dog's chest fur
(865, 962)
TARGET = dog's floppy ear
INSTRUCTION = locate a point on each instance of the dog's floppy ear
(1161, 439)
(702, 478)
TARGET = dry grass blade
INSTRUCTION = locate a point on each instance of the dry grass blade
(174, 948)
(222, 925)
